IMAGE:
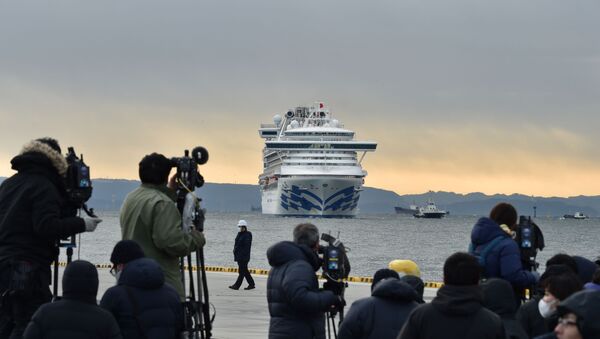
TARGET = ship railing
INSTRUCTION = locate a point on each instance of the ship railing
(267, 126)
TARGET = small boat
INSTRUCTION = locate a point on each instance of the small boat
(577, 215)
(412, 209)
(430, 211)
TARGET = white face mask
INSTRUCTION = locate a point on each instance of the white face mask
(546, 308)
(117, 276)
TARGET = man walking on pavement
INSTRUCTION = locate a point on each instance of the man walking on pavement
(241, 254)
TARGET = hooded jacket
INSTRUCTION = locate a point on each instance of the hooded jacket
(76, 315)
(456, 312)
(159, 311)
(504, 260)
(33, 210)
(498, 297)
(150, 217)
(585, 305)
(296, 305)
(381, 315)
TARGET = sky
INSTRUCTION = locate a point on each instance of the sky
(463, 96)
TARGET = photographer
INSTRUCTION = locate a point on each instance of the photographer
(34, 215)
(150, 217)
(492, 242)
(296, 305)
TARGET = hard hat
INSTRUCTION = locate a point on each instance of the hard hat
(407, 267)
(242, 223)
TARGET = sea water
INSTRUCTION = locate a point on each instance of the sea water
(373, 240)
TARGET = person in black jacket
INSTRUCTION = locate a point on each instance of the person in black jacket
(143, 305)
(34, 215)
(241, 254)
(498, 296)
(457, 310)
(296, 305)
(381, 315)
(76, 315)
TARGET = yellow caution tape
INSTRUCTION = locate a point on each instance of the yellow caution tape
(259, 271)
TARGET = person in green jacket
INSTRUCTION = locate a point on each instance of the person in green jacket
(150, 216)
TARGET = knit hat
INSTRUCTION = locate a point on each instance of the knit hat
(80, 281)
(126, 251)
(383, 273)
(242, 223)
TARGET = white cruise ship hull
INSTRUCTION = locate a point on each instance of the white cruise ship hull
(312, 196)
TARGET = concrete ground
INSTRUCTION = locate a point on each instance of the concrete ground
(244, 314)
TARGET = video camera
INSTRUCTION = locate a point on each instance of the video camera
(78, 183)
(530, 239)
(336, 266)
(188, 179)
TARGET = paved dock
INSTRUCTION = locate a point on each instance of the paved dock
(244, 314)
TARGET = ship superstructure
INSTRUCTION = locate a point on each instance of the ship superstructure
(311, 165)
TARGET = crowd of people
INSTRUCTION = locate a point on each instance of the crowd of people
(487, 291)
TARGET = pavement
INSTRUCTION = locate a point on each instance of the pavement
(241, 313)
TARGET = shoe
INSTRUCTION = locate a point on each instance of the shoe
(234, 287)
(251, 287)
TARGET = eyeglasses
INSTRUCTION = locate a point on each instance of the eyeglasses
(566, 322)
(113, 271)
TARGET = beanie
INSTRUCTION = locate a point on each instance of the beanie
(381, 274)
(126, 251)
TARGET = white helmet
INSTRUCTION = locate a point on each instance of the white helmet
(242, 223)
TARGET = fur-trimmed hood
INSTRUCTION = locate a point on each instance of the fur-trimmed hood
(57, 160)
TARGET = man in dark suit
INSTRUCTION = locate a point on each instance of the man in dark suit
(241, 254)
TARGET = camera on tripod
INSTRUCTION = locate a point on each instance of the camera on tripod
(530, 239)
(78, 183)
(336, 266)
(188, 179)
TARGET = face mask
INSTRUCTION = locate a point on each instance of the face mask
(118, 275)
(545, 308)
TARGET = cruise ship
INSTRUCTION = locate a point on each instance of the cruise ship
(311, 165)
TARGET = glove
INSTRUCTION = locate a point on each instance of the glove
(91, 223)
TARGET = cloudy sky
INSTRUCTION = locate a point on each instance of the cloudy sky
(464, 96)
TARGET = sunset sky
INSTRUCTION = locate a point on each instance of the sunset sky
(463, 96)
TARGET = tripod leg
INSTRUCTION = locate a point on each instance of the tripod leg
(205, 305)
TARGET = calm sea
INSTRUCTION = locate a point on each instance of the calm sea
(374, 240)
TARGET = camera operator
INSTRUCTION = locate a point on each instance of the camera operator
(150, 216)
(296, 305)
(34, 215)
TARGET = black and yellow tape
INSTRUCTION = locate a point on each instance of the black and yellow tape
(259, 271)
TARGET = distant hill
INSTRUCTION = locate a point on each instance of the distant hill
(110, 193)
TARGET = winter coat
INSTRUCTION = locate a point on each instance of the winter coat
(504, 260)
(76, 315)
(33, 211)
(150, 217)
(498, 297)
(531, 320)
(381, 315)
(456, 312)
(243, 244)
(296, 305)
(159, 310)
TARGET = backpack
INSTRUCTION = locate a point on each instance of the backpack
(484, 250)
